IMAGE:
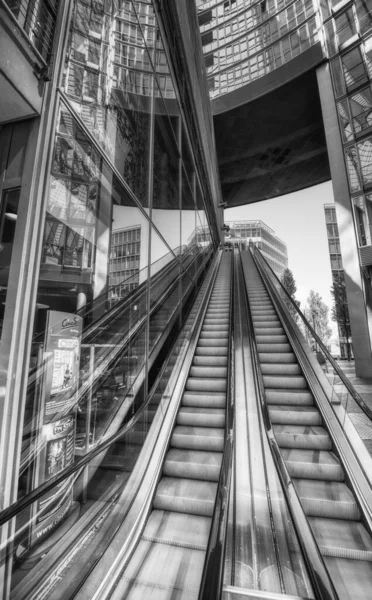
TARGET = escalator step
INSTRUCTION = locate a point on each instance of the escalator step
(270, 340)
(339, 539)
(203, 399)
(219, 343)
(313, 464)
(287, 396)
(274, 357)
(213, 335)
(350, 577)
(273, 348)
(201, 417)
(296, 382)
(217, 326)
(208, 371)
(198, 438)
(186, 496)
(193, 464)
(301, 436)
(265, 319)
(209, 361)
(268, 331)
(168, 527)
(197, 384)
(295, 415)
(208, 350)
(280, 369)
(329, 499)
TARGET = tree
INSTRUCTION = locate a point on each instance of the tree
(316, 313)
(289, 284)
(340, 312)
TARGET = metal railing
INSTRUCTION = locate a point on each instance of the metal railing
(343, 392)
(318, 573)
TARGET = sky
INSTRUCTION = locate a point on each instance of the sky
(298, 220)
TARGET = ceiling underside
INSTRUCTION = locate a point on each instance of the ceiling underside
(273, 145)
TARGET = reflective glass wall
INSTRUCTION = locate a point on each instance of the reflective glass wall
(245, 39)
(121, 263)
(348, 31)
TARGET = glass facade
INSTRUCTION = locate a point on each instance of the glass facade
(243, 41)
(338, 274)
(118, 258)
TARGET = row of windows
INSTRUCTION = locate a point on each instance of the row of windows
(281, 260)
(259, 65)
(220, 14)
(336, 261)
(129, 249)
(332, 230)
(254, 232)
(129, 235)
(116, 278)
(355, 19)
(132, 33)
(145, 12)
(330, 214)
(123, 264)
(258, 39)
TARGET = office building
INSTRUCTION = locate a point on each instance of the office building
(290, 86)
(119, 149)
(272, 248)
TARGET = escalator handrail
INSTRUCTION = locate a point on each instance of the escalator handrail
(318, 573)
(13, 510)
(114, 356)
(259, 259)
(212, 577)
(125, 303)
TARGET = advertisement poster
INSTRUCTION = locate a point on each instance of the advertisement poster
(57, 420)
(62, 358)
(57, 454)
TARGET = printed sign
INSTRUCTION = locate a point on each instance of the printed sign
(62, 356)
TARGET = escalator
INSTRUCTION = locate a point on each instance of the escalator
(308, 449)
(170, 555)
(167, 539)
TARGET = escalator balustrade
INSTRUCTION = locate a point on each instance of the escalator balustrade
(307, 448)
(170, 555)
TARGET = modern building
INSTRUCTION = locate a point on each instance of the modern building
(336, 260)
(273, 249)
(124, 264)
(114, 159)
(290, 85)
(108, 165)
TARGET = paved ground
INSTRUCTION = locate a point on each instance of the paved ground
(364, 387)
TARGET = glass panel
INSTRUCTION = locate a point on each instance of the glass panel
(338, 79)
(8, 221)
(343, 111)
(363, 217)
(345, 26)
(111, 91)
(364, 14)
(353, 68)
(365, 157)
(353, 168)
(361, 109)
